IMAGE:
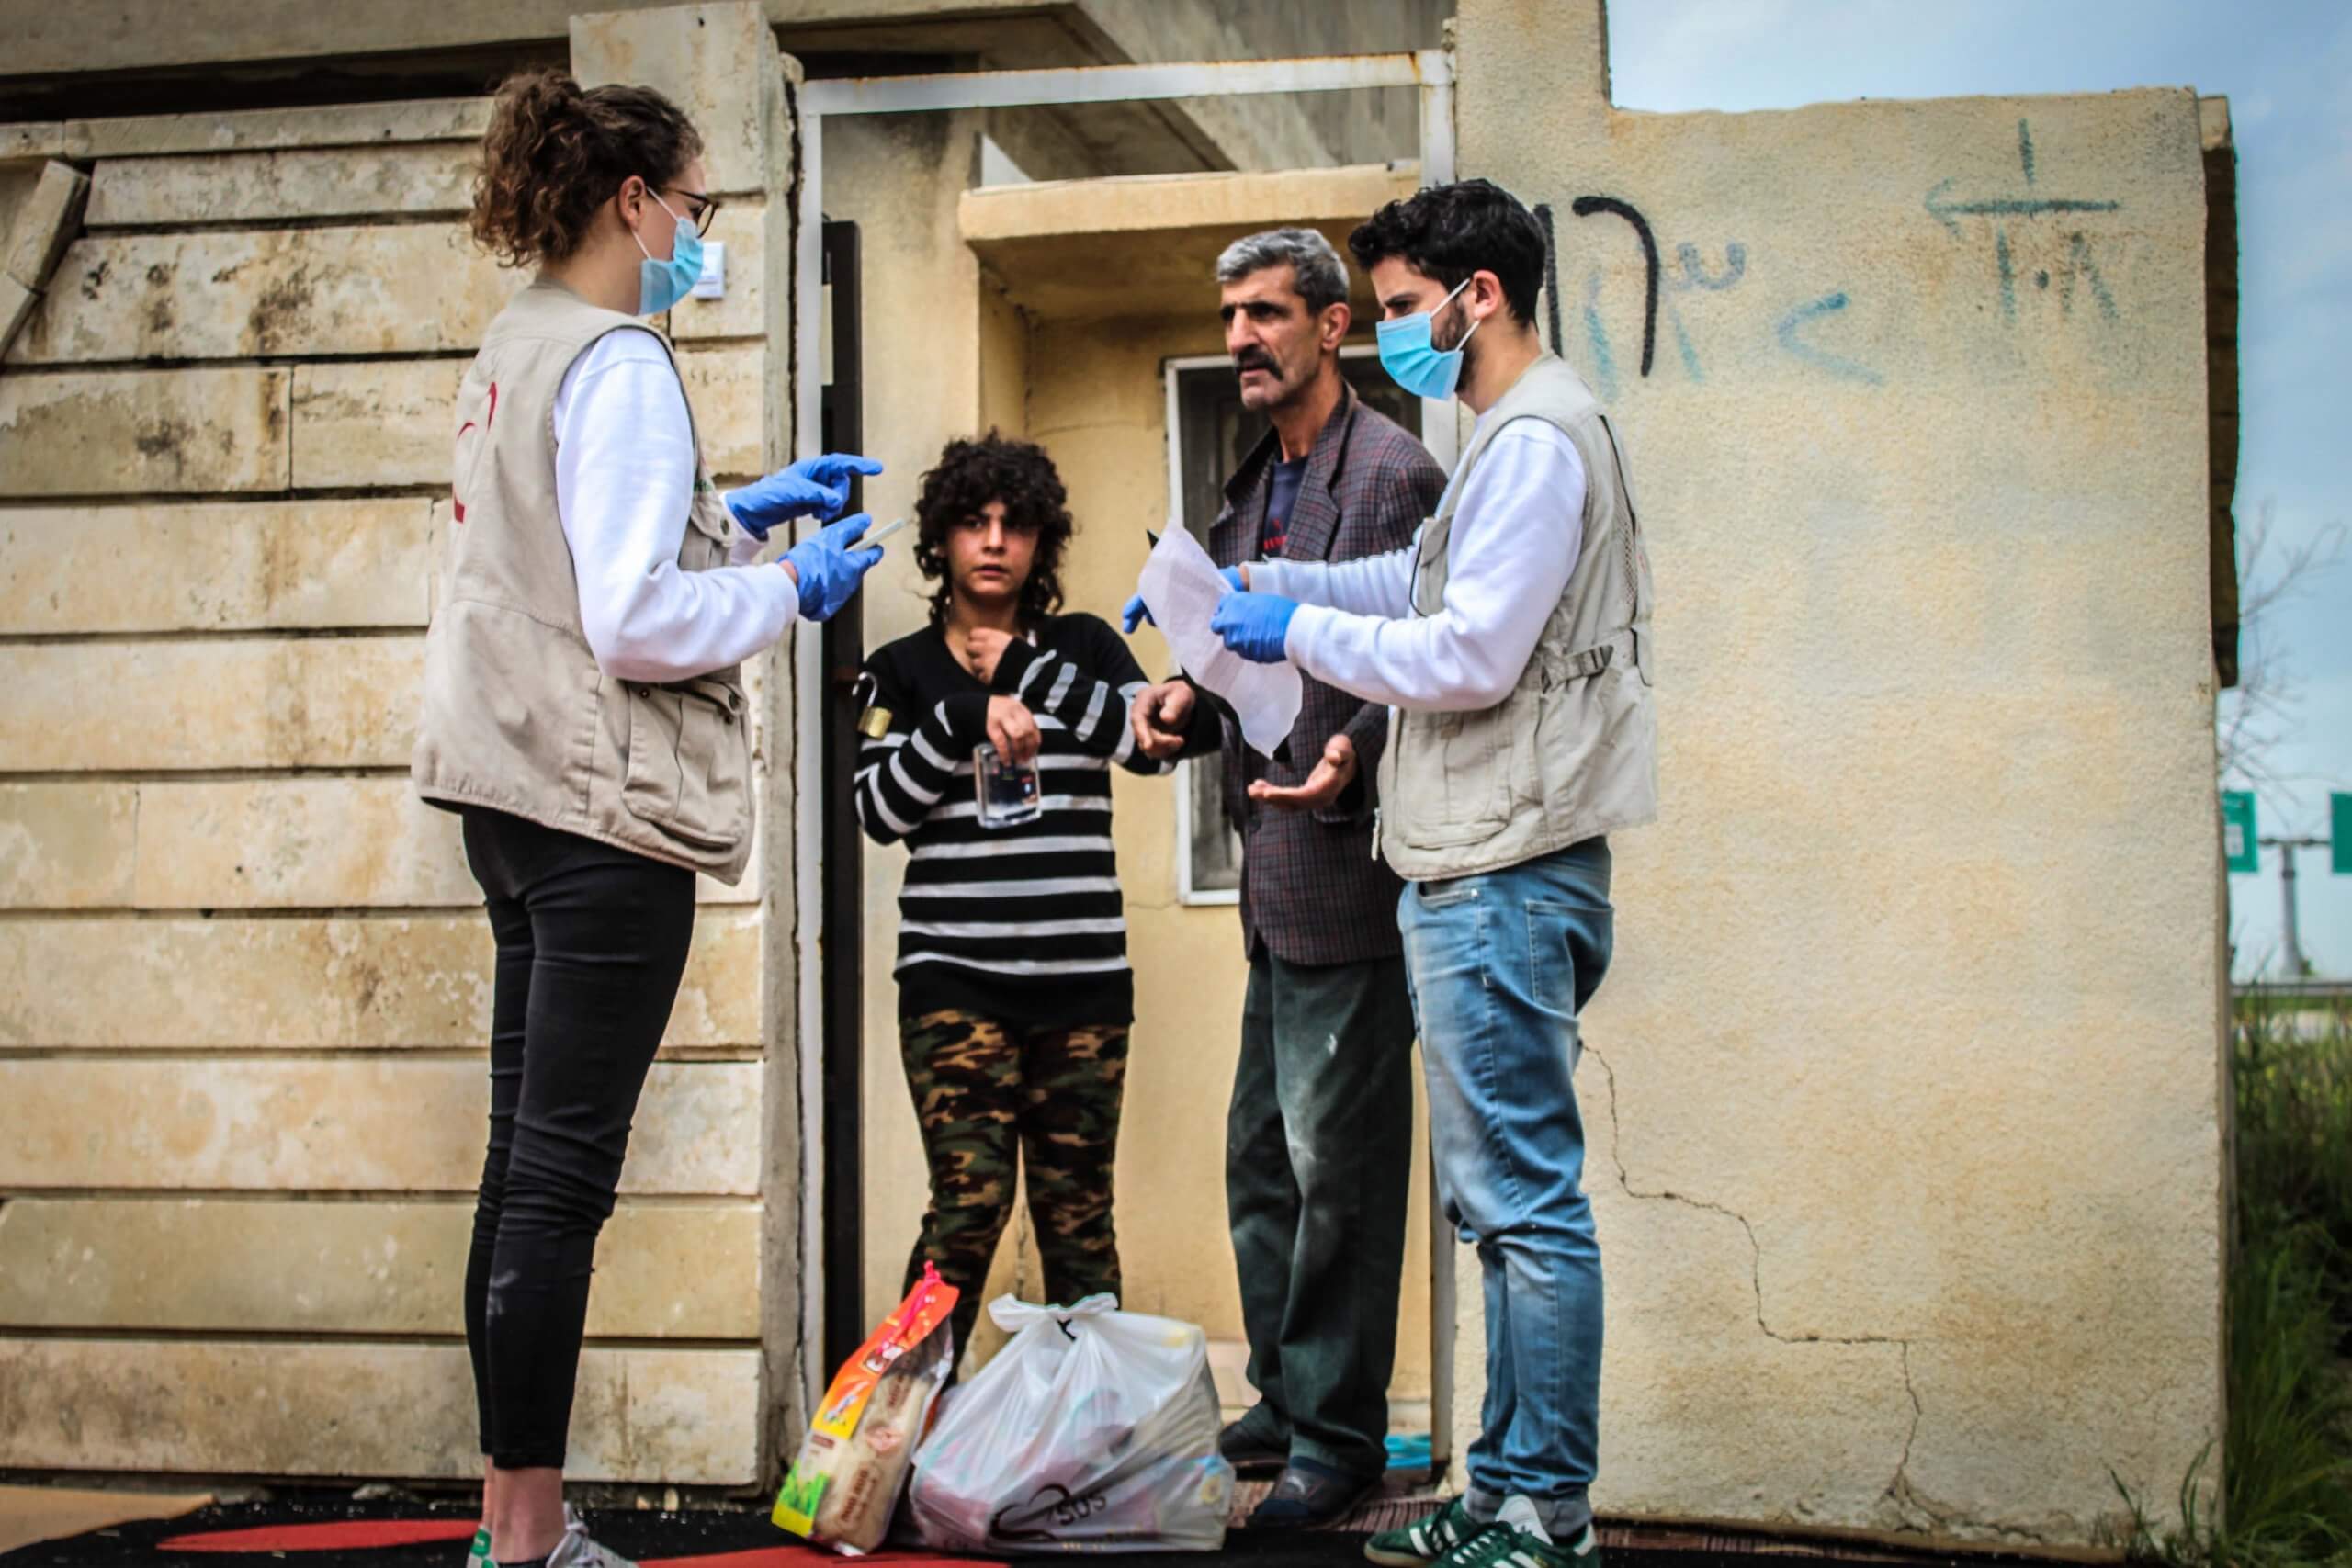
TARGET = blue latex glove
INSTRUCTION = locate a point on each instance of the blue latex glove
(813, 487)
(1254, 625)
(1137, 615)
(829, 570)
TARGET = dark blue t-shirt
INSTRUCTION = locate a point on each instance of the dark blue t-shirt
(1281, 496)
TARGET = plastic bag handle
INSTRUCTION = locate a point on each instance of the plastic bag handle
(1012, 1315)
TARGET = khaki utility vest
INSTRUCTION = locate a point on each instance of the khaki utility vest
(518, 714)
(1572, 752)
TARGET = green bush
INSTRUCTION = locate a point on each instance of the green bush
(2286, 1485)
(2294, 1132)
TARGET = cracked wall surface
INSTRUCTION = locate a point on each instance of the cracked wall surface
(1906, 1147)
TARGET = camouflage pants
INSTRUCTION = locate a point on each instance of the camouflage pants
(988, 1096)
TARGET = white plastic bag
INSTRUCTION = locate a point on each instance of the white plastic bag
(1094, 1430)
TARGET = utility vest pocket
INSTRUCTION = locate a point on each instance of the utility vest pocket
(1459, 769)
(688, 770)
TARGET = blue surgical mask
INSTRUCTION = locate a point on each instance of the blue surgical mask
(1416, 364)
(662, 284)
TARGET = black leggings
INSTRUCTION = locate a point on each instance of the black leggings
(592, 941)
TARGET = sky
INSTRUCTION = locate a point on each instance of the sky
(2286, 67)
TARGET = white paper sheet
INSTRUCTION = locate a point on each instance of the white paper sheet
(1180, 585)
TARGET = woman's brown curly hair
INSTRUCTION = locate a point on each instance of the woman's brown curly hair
(969, 475)
(555, 153)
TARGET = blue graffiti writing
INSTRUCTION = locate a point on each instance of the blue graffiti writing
(1604, 364)
(2006, 209)
(2079, 264)
(1944, 212)
(1695, 274)
(1844, 369)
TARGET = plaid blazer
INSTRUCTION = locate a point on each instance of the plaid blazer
(1311, 889)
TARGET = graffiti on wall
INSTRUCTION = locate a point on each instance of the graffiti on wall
(2034, 250)
(2026, 253)
(1669, 294)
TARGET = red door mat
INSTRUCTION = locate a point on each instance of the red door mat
(376, 1535)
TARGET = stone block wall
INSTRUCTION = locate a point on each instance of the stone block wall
(245, 980)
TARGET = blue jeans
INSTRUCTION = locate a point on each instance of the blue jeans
(1501, 964)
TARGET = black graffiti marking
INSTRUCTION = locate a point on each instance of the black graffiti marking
(1585, 206)
(1551, 272)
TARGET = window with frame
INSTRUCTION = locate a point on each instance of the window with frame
(1209, 432)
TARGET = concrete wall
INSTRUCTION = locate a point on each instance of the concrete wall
(1907, 1143)
(244, 981)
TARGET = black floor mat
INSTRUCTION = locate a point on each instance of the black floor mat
(291, 1527)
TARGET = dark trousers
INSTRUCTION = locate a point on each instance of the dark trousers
(1319, 1160)
(992, 1097)
(592, 941)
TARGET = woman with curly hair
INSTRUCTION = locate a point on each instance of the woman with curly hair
(1014, 995)
(584, 714)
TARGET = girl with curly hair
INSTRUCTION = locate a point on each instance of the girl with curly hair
(1014, 995)
(585, 715)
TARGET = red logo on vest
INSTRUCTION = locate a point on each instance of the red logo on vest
(456, 505)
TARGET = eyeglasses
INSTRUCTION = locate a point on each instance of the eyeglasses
(700, 209)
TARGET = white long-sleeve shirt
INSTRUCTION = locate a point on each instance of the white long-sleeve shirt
(1516, 537)
(624, 479)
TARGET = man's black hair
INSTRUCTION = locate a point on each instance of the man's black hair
(1448, 233)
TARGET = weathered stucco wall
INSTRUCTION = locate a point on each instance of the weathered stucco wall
(1905, 1141)
(244, 983)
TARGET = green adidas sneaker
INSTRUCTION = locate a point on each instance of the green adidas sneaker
(1423, 1542)
(477, 1555)
(1517, 1540)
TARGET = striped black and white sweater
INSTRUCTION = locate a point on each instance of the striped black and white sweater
(1022, 924)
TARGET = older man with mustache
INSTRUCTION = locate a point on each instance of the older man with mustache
(1318, 1139)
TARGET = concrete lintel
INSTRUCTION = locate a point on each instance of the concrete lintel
(147, 34)
(1155, 202)
(32, 139)
(1146, 245)
(249, 130)
(146, 40)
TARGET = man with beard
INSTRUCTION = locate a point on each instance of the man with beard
(1318, 1138)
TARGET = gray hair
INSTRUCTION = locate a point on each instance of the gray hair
(1321, 276)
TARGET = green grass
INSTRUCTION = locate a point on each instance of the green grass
(2286, 1482)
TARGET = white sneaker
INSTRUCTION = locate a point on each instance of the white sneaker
(1518, 1517)
(579, 1550)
